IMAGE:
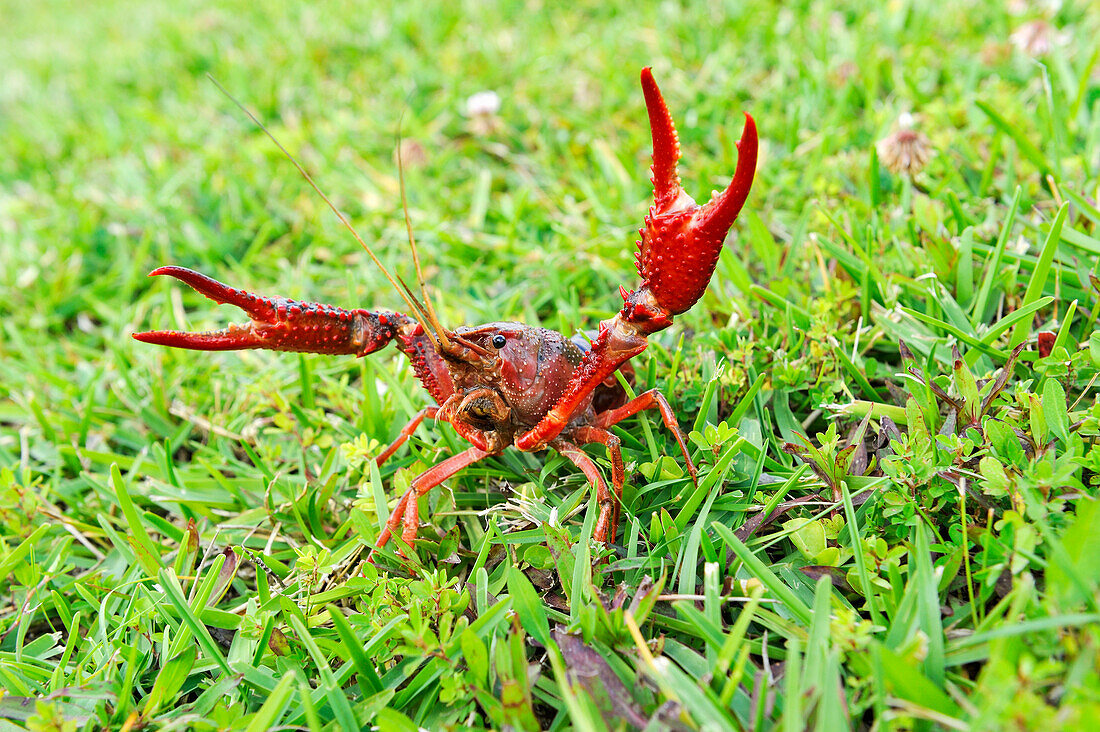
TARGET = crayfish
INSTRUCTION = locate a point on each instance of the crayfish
(510, 384)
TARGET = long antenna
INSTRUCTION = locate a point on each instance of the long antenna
(406, 296)
(441, 332)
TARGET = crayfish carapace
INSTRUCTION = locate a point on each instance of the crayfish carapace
(509, 384)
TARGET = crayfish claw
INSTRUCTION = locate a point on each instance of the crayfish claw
(676, 258)
(681, 240)
(666, 144)
(258, 308)
(278, 323)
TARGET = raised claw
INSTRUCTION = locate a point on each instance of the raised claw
(676, 257)
(681, 240)
(279, 324)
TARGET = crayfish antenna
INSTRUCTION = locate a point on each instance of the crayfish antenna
(427, 311)
(410, 301)
(437, 334)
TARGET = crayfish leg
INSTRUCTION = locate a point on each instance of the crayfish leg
(406, 514)
(652, 399)
(608, 519)
(406, 433)
(587, 435)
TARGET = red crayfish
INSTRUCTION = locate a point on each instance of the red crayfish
(509, 384)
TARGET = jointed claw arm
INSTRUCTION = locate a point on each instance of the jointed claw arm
(677, 255)
(279, 324)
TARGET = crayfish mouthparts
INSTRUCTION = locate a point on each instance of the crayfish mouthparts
(483, 408)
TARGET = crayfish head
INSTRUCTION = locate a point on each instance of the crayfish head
(526, 367)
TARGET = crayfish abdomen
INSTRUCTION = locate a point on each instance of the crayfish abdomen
(509, 384)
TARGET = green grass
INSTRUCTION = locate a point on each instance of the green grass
(895, 525)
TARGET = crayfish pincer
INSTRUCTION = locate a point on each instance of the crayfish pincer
(509, 384)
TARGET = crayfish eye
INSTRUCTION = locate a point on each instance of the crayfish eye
(499, 341)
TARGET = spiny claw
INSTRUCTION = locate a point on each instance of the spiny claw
(279, 324)
(681, 240)
(679, 249)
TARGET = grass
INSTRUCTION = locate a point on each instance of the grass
(895, 524)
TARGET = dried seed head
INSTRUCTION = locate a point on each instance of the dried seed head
(905, 150)
(412, 154)
(1036, 38)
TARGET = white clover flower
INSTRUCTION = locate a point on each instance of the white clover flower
(483, 104)
(482, 110)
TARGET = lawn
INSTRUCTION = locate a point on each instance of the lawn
(890, 385)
